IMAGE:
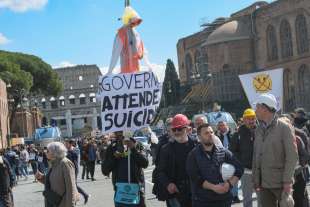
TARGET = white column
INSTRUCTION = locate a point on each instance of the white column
(69, 123)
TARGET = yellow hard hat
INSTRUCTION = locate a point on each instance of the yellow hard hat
(249, 113)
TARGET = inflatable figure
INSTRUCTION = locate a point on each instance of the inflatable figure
(127, 44)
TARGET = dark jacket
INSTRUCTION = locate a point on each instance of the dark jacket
(201, 167)
(167, 168)
(221, 136)
(6, 176)
(113, 164)
(242, 145)
(73, 157)
(304, 137)
(164, 139)
(303, 157)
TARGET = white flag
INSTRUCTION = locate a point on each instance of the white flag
(267, 81)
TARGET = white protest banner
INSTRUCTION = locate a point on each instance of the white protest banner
(267, 81)
(128, 101)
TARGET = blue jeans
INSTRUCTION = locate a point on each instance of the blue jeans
(24, 169)
(234, 190)
(42, 168)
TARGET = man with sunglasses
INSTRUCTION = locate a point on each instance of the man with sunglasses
(203, 167)
(275, 154)
(172, 164)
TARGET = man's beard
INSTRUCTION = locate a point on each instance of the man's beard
(207, 144)
(180, 138)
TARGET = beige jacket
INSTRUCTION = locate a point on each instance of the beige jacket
(275, 155)
(62, 179)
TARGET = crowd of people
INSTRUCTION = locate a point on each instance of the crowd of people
(196, 164)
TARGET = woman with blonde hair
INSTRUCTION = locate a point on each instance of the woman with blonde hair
(60, 184)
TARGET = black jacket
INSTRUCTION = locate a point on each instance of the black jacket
(73, 157)
(166, 173)
(6, 177)
(241, 145)
(162, 140)
(302, 134)
(202, 166)
(113, 164)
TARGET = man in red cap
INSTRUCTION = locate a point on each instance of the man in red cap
(172, 174)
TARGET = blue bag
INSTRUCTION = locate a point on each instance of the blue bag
(127, 193)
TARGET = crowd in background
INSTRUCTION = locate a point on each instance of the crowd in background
(187, 158)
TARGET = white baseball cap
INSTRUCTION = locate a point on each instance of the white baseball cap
(267, 99)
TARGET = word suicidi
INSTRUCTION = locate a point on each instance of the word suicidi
(128, 119)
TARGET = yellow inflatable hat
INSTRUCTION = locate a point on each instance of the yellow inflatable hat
(131, 17)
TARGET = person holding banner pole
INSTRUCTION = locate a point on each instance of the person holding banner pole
(126, 162)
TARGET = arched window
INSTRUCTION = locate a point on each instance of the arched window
(304, 85)
(301, 34)
(61, 101)
(272, 49)
(92, 98)
(197, 62)
(289, 91)
(82, 98)
(72, 99)
(189, 66)
(286, 39)
(53, 102)
(43, 102)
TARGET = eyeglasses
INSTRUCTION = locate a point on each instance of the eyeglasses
(178, 129)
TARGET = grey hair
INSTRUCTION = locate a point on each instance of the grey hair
(57, 149)
(205, 120)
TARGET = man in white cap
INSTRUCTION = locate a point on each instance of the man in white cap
(275, 153)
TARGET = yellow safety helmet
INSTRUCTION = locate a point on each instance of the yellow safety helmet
(249, 113)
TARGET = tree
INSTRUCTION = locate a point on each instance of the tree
(27, 74)
(33, 74)
(171, 85)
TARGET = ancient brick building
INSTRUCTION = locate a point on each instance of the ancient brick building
(260, 37)
(25, 122)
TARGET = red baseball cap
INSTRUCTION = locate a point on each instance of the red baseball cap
(179, 120)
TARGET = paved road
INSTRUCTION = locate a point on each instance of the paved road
(29, 194)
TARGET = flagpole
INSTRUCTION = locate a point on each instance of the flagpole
(127, 3)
